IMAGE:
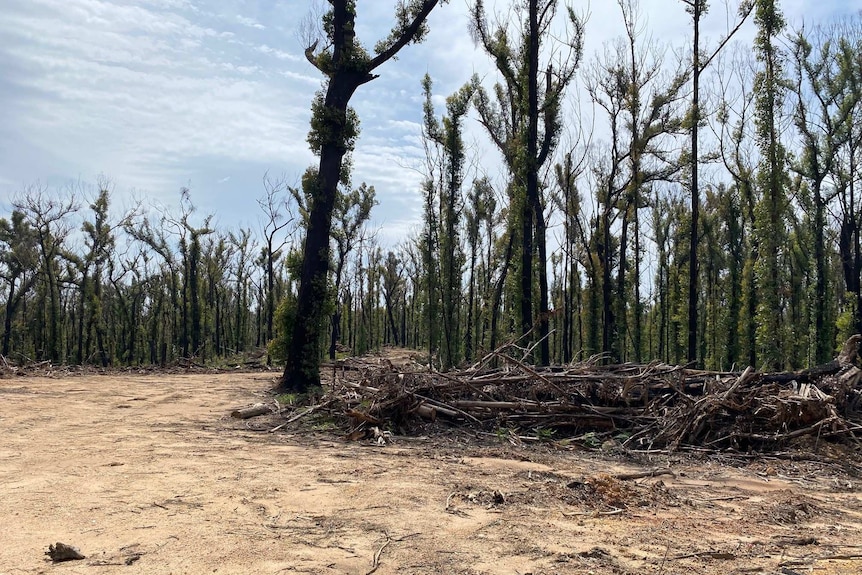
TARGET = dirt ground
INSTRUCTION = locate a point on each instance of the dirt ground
(149, 474)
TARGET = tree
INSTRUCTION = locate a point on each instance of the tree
(334, 129)
(642, 106)
(184, 275)
(352, 210)
(446, 134)
(822, 111)
(771, 179)
(846, 183)
(190, 249)
(575, 248)
(243, 248)
(738, 155)
(480, 207)
(19, 259)
(393, 284)
(524, 124)
(278, 217)
(99, 237)
(46, 216)
(697, 9)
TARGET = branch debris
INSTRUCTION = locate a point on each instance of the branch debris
(654, 406)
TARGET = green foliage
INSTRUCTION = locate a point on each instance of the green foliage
(772, 184)
(846, 321)
(591, 439)
(332, 126)
(546, 434)
(446, 137)
(285, 316)
(405, 14)
(287, 398)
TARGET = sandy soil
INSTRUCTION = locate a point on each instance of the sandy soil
(149, 474)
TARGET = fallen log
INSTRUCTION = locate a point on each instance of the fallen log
(843, 362)
(251, 411)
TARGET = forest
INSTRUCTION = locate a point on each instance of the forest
(690, 203)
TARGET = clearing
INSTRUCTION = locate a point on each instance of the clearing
(147, 473)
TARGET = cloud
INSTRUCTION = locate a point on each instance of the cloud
(280, 54)
(160, 93)
(250, 22)
(138, 90)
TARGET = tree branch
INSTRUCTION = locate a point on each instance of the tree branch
(406, 36)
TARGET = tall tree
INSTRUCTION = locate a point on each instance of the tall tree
(278, 217)
(46, 215)
(19, 258)
(575, 249)
(244, 246)
(446, 134)
(190, 249)
(822, 111)
(392, 283)
(738, 154)
(771, 179)
(100, 241)
(846, 176)
(334, 129)
(697, 9)
(524, 124)
(480, 203)
(352, 211)
(643, 108)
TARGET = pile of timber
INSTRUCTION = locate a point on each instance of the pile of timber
(655, 406)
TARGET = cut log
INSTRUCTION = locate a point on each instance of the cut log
(253, 411)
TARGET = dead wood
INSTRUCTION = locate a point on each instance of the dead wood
(251, 411)
(643, 474)
(300, 415)
(643, 407)
(61, 552)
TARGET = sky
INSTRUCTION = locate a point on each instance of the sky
(213, 95)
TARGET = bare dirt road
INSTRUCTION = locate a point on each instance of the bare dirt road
(148, 474)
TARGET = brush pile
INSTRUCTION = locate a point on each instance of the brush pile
(653, 406)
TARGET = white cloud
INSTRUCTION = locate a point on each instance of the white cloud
(250, 22)
(136, 93)
(280, 54)
(154, 93)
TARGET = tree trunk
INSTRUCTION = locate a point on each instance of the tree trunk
(609, 327)
(471, 294)
(544, 304)
(498, 291)
(79, 355)
(531, 169)
(7, 320)
(302, 370)
(335, 329)
(695, 190)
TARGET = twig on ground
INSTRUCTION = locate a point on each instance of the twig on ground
(643, 474)
(300, 415)
(376, 560)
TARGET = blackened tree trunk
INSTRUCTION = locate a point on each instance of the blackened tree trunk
(697, 8)
(334, 130)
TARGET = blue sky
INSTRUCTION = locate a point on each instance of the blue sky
(160, 94)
